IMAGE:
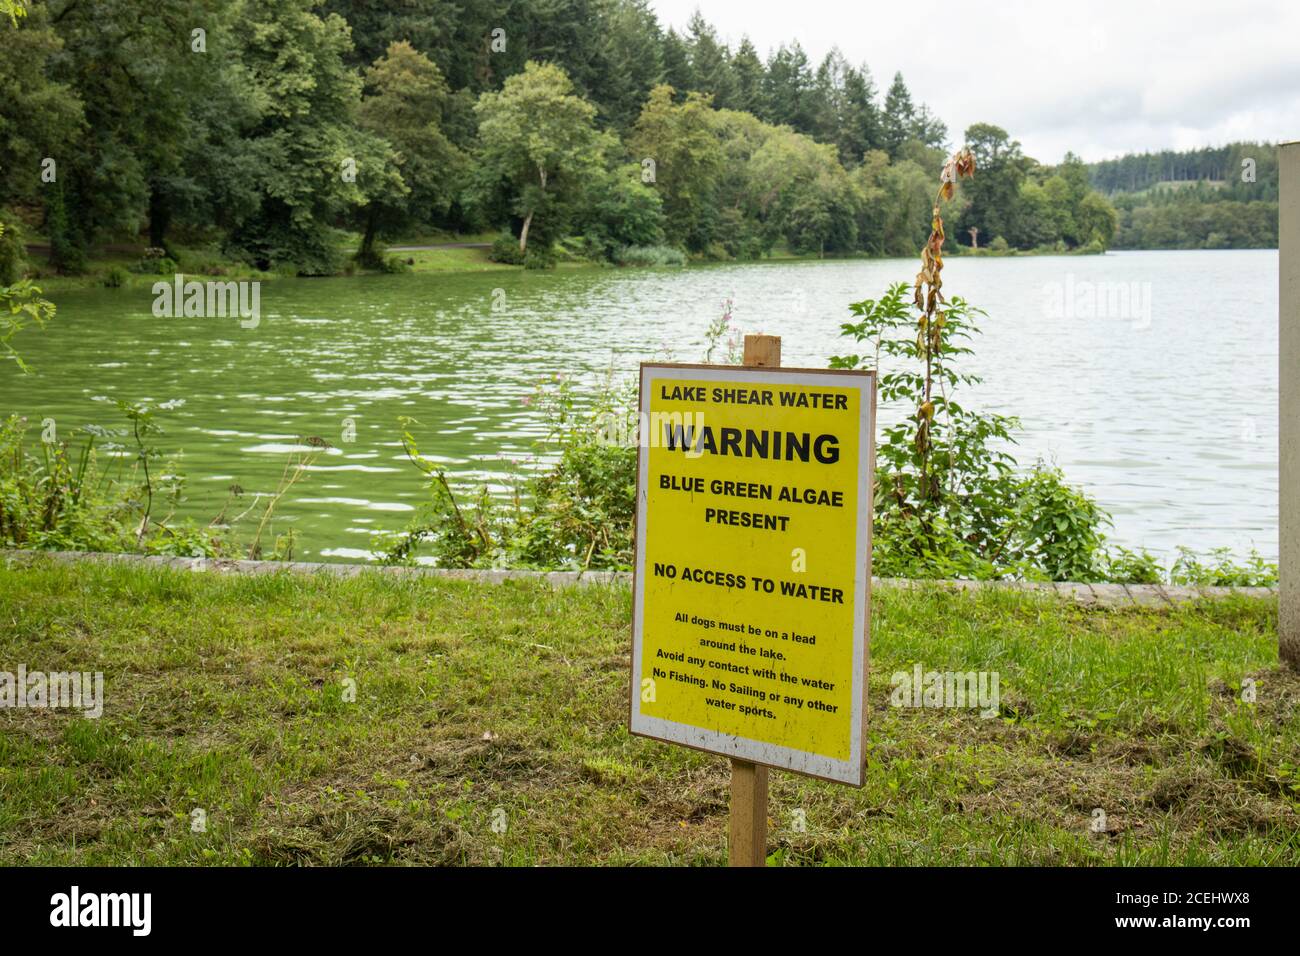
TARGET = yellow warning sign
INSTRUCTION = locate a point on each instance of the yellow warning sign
(753, 564)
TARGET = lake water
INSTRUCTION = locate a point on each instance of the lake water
(1150, 377)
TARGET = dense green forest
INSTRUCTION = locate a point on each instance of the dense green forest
(280, 131)
(1213, 198)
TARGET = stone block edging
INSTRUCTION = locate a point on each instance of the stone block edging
(1088, 595)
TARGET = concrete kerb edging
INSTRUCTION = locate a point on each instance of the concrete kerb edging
(1088, 595)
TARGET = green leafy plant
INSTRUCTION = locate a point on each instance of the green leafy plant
(155, 261)
(1056, 528)
(144, 425)
(505, 249)
(1221, 570)
(458, 536)
(946, 505)
(1132, 567)
(296, 466)
(577, 513)
(713, 336)
(61, 495)
(113, 490)
(948, 501)
(21, 305)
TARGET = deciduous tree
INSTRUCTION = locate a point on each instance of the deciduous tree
(535, 140)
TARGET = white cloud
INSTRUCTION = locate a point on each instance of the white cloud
(1101, 79)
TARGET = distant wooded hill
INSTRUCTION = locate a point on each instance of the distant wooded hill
(1221, 197)
(1225, 165)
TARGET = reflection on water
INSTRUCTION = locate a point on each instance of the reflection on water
(1164, 405)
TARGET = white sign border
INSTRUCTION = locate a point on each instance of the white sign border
(743, 748)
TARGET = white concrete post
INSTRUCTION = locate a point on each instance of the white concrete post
(1288, 416)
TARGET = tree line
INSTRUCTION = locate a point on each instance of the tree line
(273, 128)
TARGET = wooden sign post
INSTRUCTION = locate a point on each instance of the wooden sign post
(753, 571)
(748, 831)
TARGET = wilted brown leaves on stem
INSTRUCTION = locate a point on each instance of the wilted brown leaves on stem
(928, 298)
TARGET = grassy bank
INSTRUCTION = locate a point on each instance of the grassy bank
(227, 693)
(451, 259)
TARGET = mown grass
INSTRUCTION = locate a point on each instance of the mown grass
(451, 260)
(482, 703)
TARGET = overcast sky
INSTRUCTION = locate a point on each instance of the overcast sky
(1100, 78)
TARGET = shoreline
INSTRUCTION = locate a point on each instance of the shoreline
(452, 258)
